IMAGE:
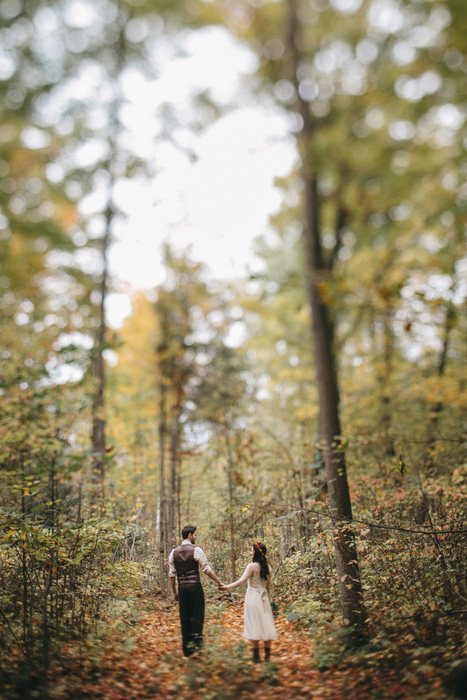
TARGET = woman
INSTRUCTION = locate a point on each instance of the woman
(257, 613)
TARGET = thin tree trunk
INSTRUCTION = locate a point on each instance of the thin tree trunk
(98, 437)
(233, 571)
(385, 382)
(435, 414)
(449, 323)
(179, 502)
(26, 594)
(350, 590)
(174, 494)
(98, 405)
(162, 503)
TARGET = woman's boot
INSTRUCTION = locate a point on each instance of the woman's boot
(256, 658)
(267, 653)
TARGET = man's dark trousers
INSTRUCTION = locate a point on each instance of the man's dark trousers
(191, 607)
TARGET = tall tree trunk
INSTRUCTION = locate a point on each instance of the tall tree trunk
(98, 404)
(230, 483)
(162, 509)
(350, 590)
(98, 437)
(174, 482)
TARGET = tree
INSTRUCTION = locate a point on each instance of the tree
(219, 402)
(182, 308)
(367, 103)
(323, 335)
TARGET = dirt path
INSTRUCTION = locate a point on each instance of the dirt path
(148, 664)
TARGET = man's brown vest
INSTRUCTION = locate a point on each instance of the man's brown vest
(186, 565)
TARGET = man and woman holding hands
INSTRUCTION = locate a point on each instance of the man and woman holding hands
(185, 562)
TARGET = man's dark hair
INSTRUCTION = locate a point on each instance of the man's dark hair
(188, 530)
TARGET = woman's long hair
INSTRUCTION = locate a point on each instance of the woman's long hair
(260, 556)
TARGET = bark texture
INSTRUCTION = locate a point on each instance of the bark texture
(350, 590)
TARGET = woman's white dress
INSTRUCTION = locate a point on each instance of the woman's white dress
(258, 619)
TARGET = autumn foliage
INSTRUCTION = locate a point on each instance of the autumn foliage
(206, 399)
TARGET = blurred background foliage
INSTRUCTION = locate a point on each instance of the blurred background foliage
(209, 399)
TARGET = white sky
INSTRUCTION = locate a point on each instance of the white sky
(217, 204)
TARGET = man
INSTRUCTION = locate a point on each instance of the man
(184, 563)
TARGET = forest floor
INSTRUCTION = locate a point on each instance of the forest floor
(142, 660)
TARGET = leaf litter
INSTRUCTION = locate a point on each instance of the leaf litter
(148, 664)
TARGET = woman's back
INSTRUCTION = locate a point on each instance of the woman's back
(255, 580)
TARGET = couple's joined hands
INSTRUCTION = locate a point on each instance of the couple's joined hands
(222, 587)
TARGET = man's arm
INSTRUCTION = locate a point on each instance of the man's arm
(212, 575)
(172, 585)
(172, 574)
(201, 558)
